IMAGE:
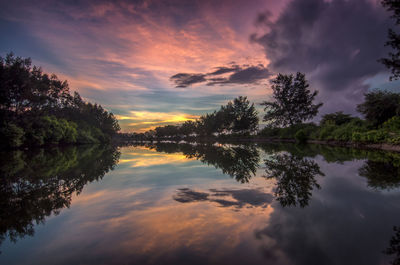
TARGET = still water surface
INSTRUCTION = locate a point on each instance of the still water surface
(200, 204)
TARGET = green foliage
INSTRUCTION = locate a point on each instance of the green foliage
(394, 140)
(86, 137)
(393, 124)
(380, 106)
(288, 132)
(357, 137)
(11, 135)
(301, 136)
(293, 101)
(375, 136)
(238, 117)
(326, 132)
(42, 106)
(337, 118)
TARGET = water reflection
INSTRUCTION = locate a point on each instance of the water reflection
(295, 171)
(238, 161)
(226, 198)
(394, 247)
(295, 178)
(34, 185)
(380, 168)
(163, 205)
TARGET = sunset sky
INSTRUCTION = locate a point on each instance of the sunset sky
(154, 63)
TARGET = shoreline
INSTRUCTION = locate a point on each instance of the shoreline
(382, 146)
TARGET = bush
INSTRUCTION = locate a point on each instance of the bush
(376, 136)
(270, 132)
(70, 132)
(394, 140)
(11, 135)
(393, 124)
(326, 132)
(85, 137)
(357, 137)
(343, 133)
(301, 136)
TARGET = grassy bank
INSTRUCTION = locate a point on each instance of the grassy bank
(350, 132)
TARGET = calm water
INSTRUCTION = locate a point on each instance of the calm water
(200, 204)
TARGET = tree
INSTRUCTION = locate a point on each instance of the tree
(188, 127)
(209, 124)
(37, 108)
(336, 118)
(379, 106)
(245, 119)
(393, 62)
(293, 101)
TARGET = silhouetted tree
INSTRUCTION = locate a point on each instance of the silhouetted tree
(336, 118)
(293, 101)
(379, 106)
(244, 115)
(393, 62)
(37, 108)
(188, 128)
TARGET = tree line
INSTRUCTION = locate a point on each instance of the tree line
(38, 109)
(286, 114)
(237, 117)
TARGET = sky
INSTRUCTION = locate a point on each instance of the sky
(154, 63)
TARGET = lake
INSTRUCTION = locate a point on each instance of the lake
(168, 203)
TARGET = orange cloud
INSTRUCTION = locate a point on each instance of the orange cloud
(144, 120)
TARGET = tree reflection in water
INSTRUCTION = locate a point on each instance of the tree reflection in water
(381, 175)
(295, 178)
(240, 162)
(394, 246)
(36, 185)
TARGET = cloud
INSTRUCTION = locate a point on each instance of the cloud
(122, 53)
(226, 198)
(244, 74)
(141, 121)
(184, 80)
(336, 43)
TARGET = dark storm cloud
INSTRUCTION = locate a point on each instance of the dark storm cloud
(249, 75)
(336, 43)
(184, 79)
(238, 198)
(245, 74)
(223, 70)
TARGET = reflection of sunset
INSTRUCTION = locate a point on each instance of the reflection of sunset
(144, 157)
(148, 120)
(168, 228)
(156, 228)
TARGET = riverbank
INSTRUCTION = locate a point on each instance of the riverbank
(376, 146)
